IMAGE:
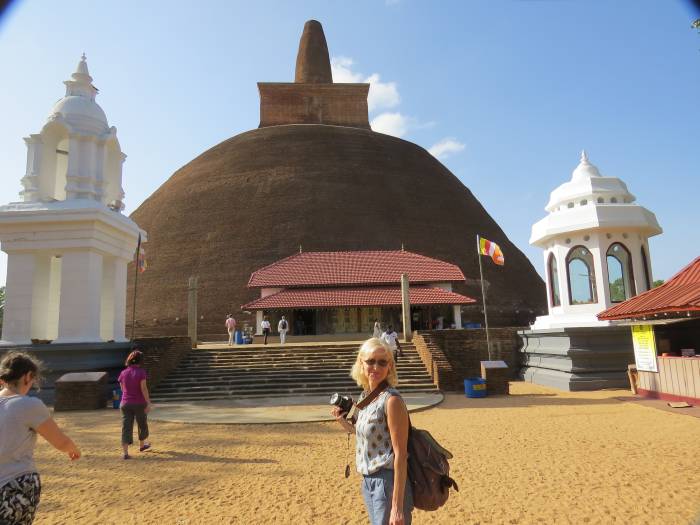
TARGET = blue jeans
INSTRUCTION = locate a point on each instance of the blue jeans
(377, 490)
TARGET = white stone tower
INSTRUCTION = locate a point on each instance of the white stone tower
(596, 251)
(67, 242)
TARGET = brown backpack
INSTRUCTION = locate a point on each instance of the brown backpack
(428, 470)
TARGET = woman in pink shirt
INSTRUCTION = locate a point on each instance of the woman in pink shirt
(135, 404)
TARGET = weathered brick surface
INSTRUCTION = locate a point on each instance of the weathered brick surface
(162, 355)
(81, 391)
(451, 356)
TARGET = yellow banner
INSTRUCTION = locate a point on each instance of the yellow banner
(644, 348)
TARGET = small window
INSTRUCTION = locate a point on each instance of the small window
(570, 205)
(620, 276)
(584, 202)
(601, 200)
(581, 276)
(613, 199)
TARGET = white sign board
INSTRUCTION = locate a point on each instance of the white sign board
(644, 348)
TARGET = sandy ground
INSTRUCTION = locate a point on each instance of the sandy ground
(537, 456)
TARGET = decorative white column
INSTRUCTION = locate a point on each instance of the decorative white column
(19, 293)
(457, 315)
(81, 297)
(107, 303)
(258, 322)
(40, 296)
(120, 268)
(30, 182)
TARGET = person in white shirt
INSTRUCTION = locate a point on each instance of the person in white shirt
(282, 328)
(265, 327)
(377, 332)
(391, 338)
(231, 328)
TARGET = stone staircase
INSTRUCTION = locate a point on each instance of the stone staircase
(276, 370)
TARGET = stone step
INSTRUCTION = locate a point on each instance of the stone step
(330, 386)
(277, 371)
(277, 392)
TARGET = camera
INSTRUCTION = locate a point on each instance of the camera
(343, 402)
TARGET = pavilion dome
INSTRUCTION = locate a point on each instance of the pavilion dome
(78, 108)
(587, 183)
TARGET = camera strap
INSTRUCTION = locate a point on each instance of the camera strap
(368, 399)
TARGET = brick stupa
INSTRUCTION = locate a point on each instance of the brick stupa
(313, 175)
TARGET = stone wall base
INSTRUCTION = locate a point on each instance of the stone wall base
(577, 359)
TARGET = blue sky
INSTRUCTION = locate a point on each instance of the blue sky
(507, 93)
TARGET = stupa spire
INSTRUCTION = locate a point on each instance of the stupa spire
(313, 64)
(80, 83)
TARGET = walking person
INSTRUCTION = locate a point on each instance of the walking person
(265, 326)
(391, 338)
(381, 432)
(231, 328)
(282, 328)
(21, 419)
(377, 331)
(135, 404)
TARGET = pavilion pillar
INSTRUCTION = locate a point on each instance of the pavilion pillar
(258, 322)
(405, 309)
(457, 315)
(19, 294)
(81, 297)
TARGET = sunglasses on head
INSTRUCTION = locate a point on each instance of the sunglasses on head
(379, 362)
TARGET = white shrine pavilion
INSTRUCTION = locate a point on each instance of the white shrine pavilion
(68, 244)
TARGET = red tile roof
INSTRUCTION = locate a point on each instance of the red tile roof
(353, 268)
(681, 293)
(366, 296)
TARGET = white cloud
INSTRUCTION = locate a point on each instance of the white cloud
(382, 95)
(342, 72)
(394, 124)
(445, 148)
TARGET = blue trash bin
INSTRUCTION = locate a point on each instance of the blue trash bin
(116, 398)
(238, 337)
(475, 387)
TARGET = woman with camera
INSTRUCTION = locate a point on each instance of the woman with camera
(381, 432)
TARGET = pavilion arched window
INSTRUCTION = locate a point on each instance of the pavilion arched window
(553, 276)
(620, 276)
(581, 276)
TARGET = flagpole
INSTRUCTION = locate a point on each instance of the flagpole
(483, 296)
(136, 281)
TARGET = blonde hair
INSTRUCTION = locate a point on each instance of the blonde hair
(358, 373)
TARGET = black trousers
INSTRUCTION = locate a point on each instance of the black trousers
(266, 332)
(129, 413)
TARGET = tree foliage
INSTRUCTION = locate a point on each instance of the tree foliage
(658, 282)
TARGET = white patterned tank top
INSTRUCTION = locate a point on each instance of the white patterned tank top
(373, 450)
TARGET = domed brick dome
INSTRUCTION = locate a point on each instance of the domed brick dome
(257, 197)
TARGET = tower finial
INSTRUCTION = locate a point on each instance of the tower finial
(313, 64)
(584, 157)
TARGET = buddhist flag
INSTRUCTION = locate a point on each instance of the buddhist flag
(491, 249)
(140, 257)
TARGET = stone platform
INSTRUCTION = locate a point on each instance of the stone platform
(577, 359)
(267, 410)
